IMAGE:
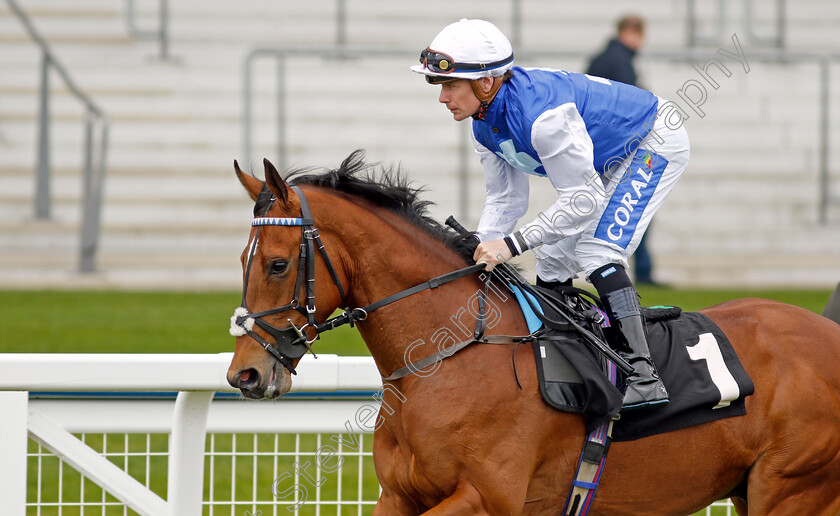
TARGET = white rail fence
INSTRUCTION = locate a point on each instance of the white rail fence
(164, 434)
(61, 426)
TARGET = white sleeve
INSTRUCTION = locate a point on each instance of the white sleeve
(507, 195)
(560, 138)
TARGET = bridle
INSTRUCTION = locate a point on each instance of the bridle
(293, 342)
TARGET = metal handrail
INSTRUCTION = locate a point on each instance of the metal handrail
(696, 38)
(777, 40)
(94, 162)
(279, 53)
(341, 22)
(161, 34)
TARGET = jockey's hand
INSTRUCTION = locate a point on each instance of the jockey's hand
(492, 253)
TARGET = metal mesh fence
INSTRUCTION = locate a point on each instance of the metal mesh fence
(245, 475)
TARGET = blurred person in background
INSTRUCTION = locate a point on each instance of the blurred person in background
(615, 63)
(609, 156)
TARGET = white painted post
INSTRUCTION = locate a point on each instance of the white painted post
(186, 453)
(13, 442)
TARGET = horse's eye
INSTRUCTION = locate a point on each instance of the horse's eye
(278, 266)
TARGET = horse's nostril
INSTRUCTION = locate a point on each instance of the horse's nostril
(249, 378)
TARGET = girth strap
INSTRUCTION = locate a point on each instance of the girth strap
(593, 458)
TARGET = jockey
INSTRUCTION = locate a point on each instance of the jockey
(607, 149)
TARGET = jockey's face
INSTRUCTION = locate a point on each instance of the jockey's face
(459, 98)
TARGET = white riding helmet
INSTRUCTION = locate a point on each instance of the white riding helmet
(467, 49)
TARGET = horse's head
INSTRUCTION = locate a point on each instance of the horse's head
(274, 326)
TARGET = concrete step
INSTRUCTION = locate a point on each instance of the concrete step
(754, 270)
(174, 215)
(118, 276)
(214, 264)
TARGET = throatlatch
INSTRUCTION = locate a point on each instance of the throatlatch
(293, 342)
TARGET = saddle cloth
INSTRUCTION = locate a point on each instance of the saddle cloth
(695, 360)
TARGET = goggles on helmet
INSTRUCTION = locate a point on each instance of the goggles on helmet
(441, 63)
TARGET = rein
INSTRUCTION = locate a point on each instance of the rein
(293, 341)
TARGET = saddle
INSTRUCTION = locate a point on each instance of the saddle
(578, 370)
(571, 343)
(693, 356)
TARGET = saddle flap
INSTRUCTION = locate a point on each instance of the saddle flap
(571, 379)
(699, 367)
(690, 352)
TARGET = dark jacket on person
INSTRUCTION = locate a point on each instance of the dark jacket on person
(614, 63)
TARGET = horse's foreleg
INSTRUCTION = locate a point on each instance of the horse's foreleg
(390, 504)
(740, 506)
(465, 501)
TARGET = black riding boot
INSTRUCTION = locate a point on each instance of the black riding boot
(644, 388)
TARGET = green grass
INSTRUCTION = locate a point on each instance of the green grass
(691, 300)
(131, 322)
(183, 322)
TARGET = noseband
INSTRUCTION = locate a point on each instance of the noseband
(293, 341)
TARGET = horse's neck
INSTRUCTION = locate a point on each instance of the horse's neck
(414, 327)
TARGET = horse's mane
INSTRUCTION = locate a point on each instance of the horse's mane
(387, 188)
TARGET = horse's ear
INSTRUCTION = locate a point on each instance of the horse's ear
(275, 183)
(252, 184)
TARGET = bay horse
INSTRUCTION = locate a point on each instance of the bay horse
(463, 438)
